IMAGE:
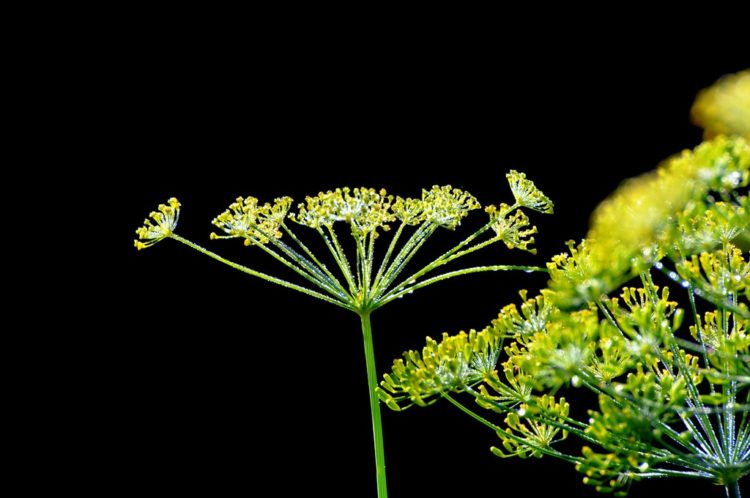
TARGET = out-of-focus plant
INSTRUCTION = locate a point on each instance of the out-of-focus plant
(724, 108)
(673, 397)
(363, 281)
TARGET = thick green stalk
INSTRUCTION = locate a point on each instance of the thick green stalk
(377, 425)
(733, 490)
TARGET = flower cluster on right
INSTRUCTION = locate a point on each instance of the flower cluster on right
(649, 312)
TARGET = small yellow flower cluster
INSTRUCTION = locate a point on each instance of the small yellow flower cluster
(720, 225)
(724, 108)
(717, 272)
(446, 206)
(511, 228)
(577, 277)
(164, 222)
(364, 209)
(609, 472)
(526, 193)
(530, 434)
(367, 209)
(728, 354)
(461, 360)
(409, 211)
(255, 223)
(441, 367)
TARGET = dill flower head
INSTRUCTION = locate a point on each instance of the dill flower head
(364, 209)
(724, 108)
(161, 225)
(409, 211)
(513, 229)
(245, 218)
(526, 193)
(446, 206)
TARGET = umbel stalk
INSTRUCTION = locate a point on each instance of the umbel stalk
(377, 424)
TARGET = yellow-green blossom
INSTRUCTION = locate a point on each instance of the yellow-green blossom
(409, 211)
(364, 209)
(161, 225)
(446, 206)
(255, 223)
(512, 228)
(526, 193)
(724, 108)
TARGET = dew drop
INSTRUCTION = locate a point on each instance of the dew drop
(685, 284)
(732, 180)
(658, 265)
(673, 275)
(528, 271)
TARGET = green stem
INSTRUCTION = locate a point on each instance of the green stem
(268, 278)
(299, 265)
(387, 257)
(409, 249)
(377, 425)
(443, 258)
(733, 490)
(404, 289)
(309, 253)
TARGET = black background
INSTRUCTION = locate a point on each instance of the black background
(217, 381)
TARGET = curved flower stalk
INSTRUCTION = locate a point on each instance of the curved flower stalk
(673, 400)
(364, 279)
(724, 108)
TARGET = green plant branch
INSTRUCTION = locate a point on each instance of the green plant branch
(400, 291)
(342, 259)
(387, 257)
(302, 267)
(345, 270)
(311, 267)
(310, 254)
(268, 278)
(370, 261)
(409, 249)
(440, 260)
